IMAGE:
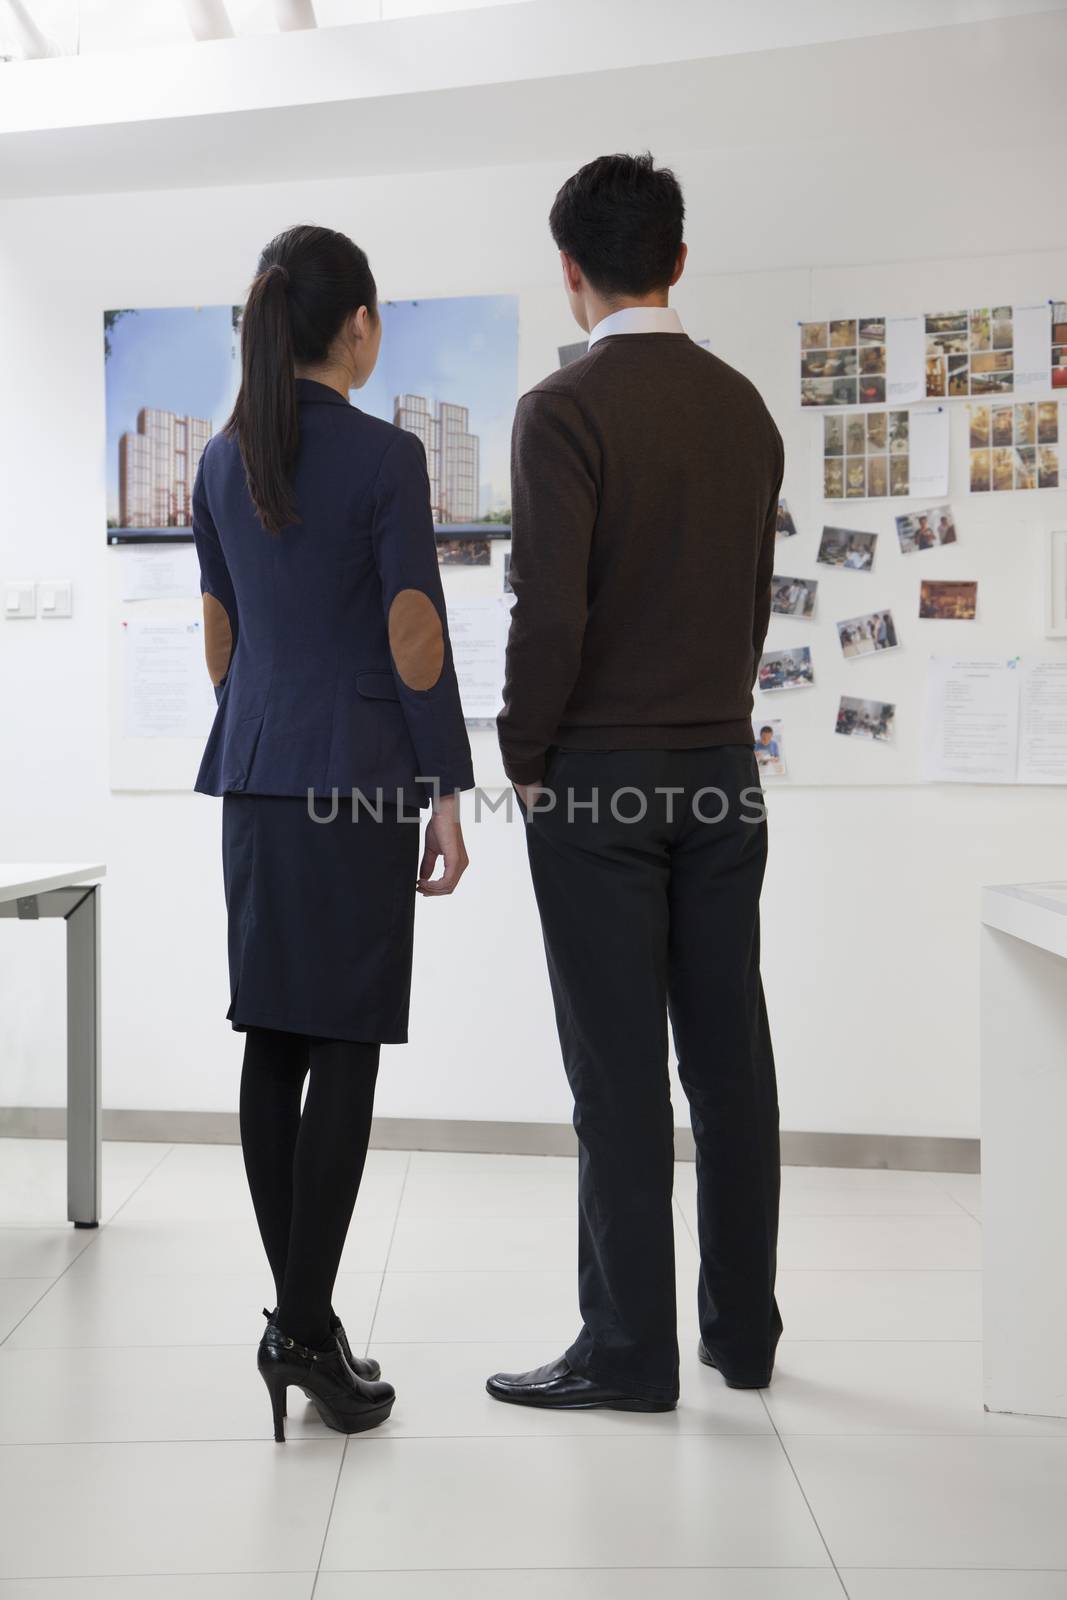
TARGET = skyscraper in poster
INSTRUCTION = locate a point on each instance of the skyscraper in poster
(157, 466)
(452, 454)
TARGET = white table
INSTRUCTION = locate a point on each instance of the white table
(1023, 1009)
(32, 889)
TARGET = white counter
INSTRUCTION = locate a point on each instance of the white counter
(1023, 1005)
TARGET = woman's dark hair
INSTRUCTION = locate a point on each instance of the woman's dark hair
(620, 218)
(307, 282)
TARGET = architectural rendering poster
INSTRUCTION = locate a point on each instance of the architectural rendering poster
(448, 372)
(171, 376)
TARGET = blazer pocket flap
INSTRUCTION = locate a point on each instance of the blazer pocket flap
(377, 686)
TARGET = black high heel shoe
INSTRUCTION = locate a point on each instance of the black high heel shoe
(364, 1367)
(345, 1402)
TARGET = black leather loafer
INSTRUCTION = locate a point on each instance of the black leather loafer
(556, 1387)
(732, 1380)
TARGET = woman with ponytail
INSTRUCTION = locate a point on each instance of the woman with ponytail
(338, 720)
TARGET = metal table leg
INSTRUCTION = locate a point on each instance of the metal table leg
(80, 909)
(84, 1116)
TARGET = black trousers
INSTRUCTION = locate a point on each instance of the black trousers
(650, 909)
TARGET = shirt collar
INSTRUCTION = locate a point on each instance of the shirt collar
(309, 392)
(637, 319)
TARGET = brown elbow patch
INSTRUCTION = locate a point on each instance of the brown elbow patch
(416, 639)
(218, 639)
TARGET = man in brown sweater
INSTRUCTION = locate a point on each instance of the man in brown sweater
(645, 482)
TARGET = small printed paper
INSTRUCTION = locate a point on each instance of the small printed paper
(166, 690)
(159, 572)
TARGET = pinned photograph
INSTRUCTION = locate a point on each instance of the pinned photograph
(833, 436)
(827, 391)
(871, 330)
(1048, 422)
(943, 601)
(979, 427)
(793, 597)
(786, 669)
(1003, 431)
(814, 336)
(1059, 366)
(1059, 321)
(865, 719)
(1026, 467)
(898, 433)
(784, 526)
(848, 548)
(871, 391)
(1003, 469)
(1002, 328)
(981, 338)
(842, 333)
(833, 478)
(981, 472)
(1048, 467)
(855, 478)
(878, 432)
(1026, 423)
(856, 435)
(925, 530)
(768, 748)
(867, 635)
(877, 477)
(898, 475)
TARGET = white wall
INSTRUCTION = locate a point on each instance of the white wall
(871, 906)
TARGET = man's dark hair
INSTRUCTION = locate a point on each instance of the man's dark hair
(620, 218)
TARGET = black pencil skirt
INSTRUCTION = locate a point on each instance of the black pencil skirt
(320, 917)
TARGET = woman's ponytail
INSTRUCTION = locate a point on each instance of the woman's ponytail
(265, 419)
(309, 280)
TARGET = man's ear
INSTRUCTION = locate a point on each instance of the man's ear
(572, 272)
(679, 265)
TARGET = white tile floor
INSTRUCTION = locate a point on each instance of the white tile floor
(136, 1461)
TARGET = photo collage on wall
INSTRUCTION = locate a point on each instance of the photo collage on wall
(866, 455)
(1014, 446)
(969, 352)
(843, 363)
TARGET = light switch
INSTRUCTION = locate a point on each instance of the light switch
(54, 597)
(20, 600)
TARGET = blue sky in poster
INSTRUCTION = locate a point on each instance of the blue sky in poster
(178, 358)
(463, 349)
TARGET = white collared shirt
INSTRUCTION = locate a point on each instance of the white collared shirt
(637, 319)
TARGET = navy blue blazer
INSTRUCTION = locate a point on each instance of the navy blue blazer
(328, 645)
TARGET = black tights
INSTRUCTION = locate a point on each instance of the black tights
(304, 1168)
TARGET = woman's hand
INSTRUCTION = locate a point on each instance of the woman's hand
(444, 841)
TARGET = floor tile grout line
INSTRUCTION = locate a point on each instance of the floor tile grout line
(388, 1254)
(86, 1247)
(329, 1518)
(804, 1497)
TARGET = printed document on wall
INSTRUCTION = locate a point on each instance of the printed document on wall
(166, 691)
(1043, 719)
(971, 732)
(478, 630)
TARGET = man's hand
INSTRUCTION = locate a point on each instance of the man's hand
(444, 841)
(528, 794)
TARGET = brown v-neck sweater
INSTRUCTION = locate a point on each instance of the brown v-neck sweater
(645, 482)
